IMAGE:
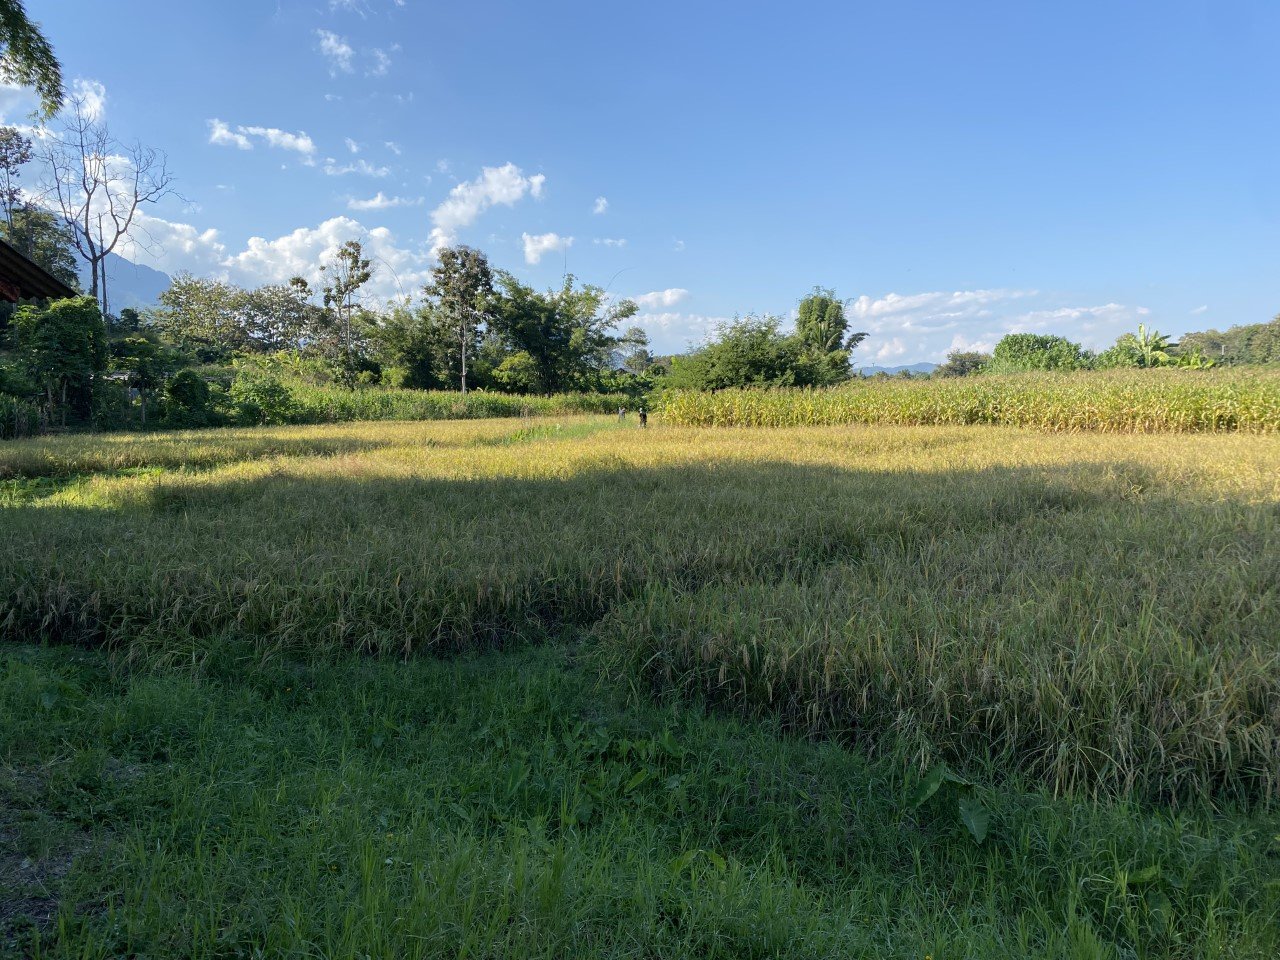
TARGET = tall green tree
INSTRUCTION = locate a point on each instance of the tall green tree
(563, 339)
(64, 348)
(27, 58)
(823, 331)
(461, 291)
(345, 275)
(15, 153)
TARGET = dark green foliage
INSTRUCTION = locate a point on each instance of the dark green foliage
(461, 294)
(963, 363)
(823, 330)
(557, 341)
(63, 348)
(1031, 351)
(187, 400)
(42, 237)
(1250, 343)
(261, 398)
(27, 58)
(750, 351)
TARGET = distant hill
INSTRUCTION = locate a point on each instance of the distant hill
(909, 367)
(129, 284)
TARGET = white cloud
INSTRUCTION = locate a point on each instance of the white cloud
(537, 247)
(381, 62)
(1199, 310)
(381, 201)
(925, 326)
(222, 135)
(610, 241)
(891, 350)
(351, 145)
(360, 166)
(392, 146)
(496, 186)
(601, 205)
(672, 332)
(661, 298)
(336, 50)
(16, 102)
(242, 137)
(92, 96)
(397, 271)
(678, 246)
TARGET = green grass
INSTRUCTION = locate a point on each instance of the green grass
(680, 694)
(313, 404)
(512, 806)
(1117, 401)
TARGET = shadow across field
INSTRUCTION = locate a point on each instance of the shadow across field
(1097, 626)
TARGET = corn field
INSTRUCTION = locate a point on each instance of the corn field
(1131, 401)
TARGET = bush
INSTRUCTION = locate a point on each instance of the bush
(262, 399)
(18, 418)
(1030, 351)
(186, 400)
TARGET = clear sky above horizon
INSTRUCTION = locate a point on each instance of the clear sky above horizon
(958, 170)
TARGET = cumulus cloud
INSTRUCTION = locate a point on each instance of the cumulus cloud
(337, 51)
(242, 137)
(381, 201)
(601, 205)
(92, 97)
(659, 299)
(175, 247)
(496, 186)
(537, 247)
(925, 326)
(672, 331)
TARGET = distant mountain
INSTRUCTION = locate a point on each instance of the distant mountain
(910, 368)
(129, 284)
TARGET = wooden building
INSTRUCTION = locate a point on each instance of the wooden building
(24, 279)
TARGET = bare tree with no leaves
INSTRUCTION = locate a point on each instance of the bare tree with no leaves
(98, 184)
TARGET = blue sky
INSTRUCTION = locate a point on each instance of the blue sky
(961, 170)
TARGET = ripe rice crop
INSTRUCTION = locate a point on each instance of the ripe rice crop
(1119, 401)
(1097, 611)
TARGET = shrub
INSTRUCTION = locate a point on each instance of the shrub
(186, 400)
(262, 399)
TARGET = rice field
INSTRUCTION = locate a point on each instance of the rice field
(565, 687)
(1115, 401)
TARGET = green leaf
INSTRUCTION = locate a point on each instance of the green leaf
(932, 782)
(1144, 876)
(681, 863)
(635, 781)
(717, 861)
(975, 816)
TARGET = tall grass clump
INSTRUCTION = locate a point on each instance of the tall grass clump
(318, 404)
(1121, 401)
(18, 418)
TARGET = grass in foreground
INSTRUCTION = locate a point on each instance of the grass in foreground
(1081, 625)
(511, 806)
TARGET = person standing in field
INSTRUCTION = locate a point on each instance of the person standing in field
(644, 417)
(622, 414)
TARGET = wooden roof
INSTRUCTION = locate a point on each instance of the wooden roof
(24, 279)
